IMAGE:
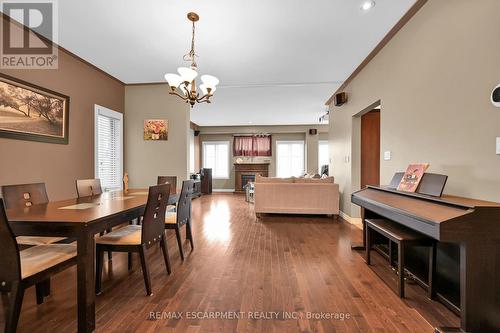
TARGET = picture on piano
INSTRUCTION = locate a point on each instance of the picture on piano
(412, 177)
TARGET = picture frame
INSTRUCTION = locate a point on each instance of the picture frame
(156, 130)
(33, 113)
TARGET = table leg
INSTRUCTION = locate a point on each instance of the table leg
(85, 283)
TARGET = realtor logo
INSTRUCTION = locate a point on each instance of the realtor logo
(29, 31)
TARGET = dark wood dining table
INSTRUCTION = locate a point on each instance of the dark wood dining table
(81, 219)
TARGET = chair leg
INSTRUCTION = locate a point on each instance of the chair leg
(14, 309)
(179, 241)
(40, 293)
(166, 257)
(145, 271)
(401, 270)
(98, 270)
(189, 234)
(5, 301)
(46, 288)
(130, 261)
(368, 245)
(432, 270)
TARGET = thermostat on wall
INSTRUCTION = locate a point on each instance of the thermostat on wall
(498, 146)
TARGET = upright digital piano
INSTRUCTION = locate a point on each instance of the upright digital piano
(470, 226)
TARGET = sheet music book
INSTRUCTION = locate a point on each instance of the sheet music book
(412, 177)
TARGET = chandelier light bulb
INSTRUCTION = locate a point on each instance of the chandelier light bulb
(210, 81)
(187, 74)
(173, 80)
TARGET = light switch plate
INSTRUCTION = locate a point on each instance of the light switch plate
(387, 155)
(498, 146)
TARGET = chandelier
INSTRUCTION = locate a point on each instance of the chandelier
(183, 84)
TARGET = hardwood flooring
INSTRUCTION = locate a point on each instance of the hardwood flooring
(289, 265)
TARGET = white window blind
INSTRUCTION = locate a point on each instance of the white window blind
(216, 157)
(323, 154)
(289, 158)
(108, 146)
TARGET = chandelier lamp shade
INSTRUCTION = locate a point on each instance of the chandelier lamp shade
(183, 84)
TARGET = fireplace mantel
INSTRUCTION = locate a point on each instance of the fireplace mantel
(245, 170)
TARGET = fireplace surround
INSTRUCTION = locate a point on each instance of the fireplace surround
(245, 172)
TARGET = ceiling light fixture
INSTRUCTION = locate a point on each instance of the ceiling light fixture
(367, 5)
(183, 84)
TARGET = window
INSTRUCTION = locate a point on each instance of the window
(216, 157)
(289, 158)
(252, 145)
(323, 155)
(108, 148)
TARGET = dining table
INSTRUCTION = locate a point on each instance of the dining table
(81, 219)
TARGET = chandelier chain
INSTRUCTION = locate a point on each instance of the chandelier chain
(192, 55)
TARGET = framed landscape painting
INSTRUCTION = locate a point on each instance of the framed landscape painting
(156, 129)
(30, 112)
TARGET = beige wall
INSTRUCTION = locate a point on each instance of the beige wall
(278, 133)
(434, 79)
(145, 160)
(59, 165)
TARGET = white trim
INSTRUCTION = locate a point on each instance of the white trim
(101, 110)
(352, 220)
(223, 190)
(302, 142)
(228, 143)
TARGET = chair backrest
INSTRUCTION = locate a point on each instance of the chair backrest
(172, 180)
(184, 202)
(10, 263)
(153, 223)
(88, 187)
(24, 195)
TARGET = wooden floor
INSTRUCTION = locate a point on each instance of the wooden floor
(287, 265)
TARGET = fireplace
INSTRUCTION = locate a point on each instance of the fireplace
(246, 172)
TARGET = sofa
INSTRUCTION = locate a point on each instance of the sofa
(296, 196)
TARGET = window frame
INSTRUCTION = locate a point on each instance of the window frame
(322, 142)
(228, 144)
(302, 142)
(101, 110)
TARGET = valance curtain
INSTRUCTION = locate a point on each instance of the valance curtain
(255, 145)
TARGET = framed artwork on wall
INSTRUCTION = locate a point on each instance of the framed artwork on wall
(155, 129)
(30, 112)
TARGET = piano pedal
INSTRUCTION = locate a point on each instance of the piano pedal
(409, 278)
(448, 330)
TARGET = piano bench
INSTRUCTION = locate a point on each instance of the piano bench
(403, 237)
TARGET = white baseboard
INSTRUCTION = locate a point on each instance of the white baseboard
(223, 190)
(352, 220)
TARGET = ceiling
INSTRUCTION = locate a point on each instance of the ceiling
(278, 61)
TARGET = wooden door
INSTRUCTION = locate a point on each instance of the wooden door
(370, 148)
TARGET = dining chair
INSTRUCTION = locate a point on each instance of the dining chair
(182, 216)
(26, 195)
(138, 238)
(88, 187)
(172, 180)
(20, 270)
